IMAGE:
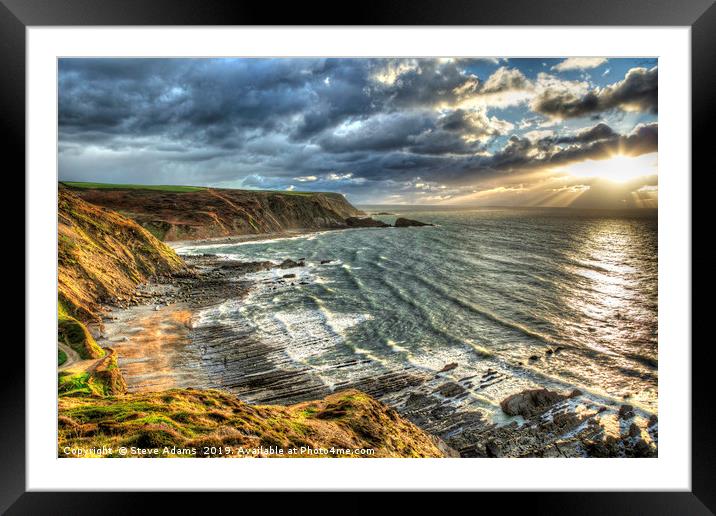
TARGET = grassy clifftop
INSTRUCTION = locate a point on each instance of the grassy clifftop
(186, 212)
(212, 421)
(103, 255)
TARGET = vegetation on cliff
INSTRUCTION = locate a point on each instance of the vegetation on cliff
(185, 213)
(97, 379)
(210, 421)
(72, 332)
(103, 256)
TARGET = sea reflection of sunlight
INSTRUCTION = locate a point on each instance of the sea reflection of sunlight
(601, 297)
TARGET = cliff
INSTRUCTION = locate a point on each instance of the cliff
(102, 256)
(190, 213)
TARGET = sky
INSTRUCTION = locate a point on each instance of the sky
(577, 131)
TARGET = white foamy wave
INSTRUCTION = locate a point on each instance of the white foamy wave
(207, 246)
(306, 334)
(339, 323)
(395, 346)
(221, 314)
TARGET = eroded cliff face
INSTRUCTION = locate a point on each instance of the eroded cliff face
(211, 212)
(102, 256)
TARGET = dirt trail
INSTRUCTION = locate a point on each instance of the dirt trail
(74, 362)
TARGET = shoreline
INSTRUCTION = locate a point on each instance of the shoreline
(239, 239)
(261, 372)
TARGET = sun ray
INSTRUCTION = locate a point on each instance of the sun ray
(619, 168)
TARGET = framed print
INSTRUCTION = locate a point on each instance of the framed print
(450, 245)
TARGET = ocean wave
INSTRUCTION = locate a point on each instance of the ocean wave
(482, 292)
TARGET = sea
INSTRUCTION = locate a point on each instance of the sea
(555, 298)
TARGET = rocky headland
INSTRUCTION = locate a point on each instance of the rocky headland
(194, 213)
(199, 213)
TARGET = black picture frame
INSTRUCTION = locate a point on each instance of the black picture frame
(17, 15)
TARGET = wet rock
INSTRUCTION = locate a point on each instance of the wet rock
(239, 267)
(448, 367)
(609, 447)
(405, 223)
(323, 262)
(417, 401)
(533, 358)
(288, 276)
(530, 402)
(634, 430)
(365, 222)
(290, 264)
(653, 420)
(450, 389)
(626, 412)
(642, 450)
(575, 393)
(492, 449)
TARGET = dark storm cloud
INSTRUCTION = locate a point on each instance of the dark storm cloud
(213, 102)
(521, 154)
(638, 92)
(591, 134)
(379, 133)
(421, 82)
(419, 132)
(518, 154)
(338, 124)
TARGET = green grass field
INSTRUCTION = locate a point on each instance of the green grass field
(287, 192)
(173, 188)
(110, 186)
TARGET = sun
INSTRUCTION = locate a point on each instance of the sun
(618, 168)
